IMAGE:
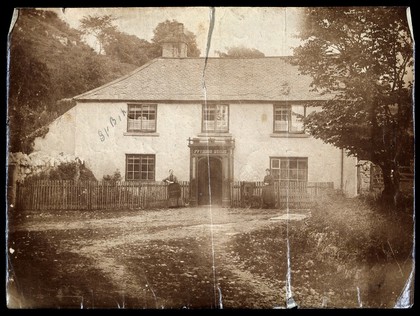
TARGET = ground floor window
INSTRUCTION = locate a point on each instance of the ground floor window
(289, 168)
(140, 167)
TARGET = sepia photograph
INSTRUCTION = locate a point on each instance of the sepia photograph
(210, 158)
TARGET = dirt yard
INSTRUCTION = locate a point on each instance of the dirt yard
(203, 257)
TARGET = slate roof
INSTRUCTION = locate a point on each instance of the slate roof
(227, 79)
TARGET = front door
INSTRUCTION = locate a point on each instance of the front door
(209, 181)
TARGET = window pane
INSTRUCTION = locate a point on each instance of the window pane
(221, 126)
(289, 118)
(281, 126)
(209, 113)
(221, 112)
(134, 111)
(221, 117)
(140, 167)
(298, 112)
(302, 175)
(215, 118)
(141, 117)
(284, 174)
(302, 164)
(208, 125)
(291, 169)
(149, 125)
(276, 174)
(281, 118)
(293, 174)
(134, 124)
(284, 164)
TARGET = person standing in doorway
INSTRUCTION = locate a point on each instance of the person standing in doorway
(268, 199)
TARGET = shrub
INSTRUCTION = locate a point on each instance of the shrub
(65, 171)
(116, 176)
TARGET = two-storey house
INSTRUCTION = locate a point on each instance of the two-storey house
(211, 120)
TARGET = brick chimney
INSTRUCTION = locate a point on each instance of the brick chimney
(175, 44)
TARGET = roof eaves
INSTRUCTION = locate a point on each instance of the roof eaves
(81, 96)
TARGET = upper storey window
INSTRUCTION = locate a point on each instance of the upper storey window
(215, 118)
(141, 118)
(288, 118)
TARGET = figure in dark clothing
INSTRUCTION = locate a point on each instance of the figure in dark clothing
(268, 198)
(174, 189)
(171, 178)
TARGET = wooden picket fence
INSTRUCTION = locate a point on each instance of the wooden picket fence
(93, 195)
(294, 195)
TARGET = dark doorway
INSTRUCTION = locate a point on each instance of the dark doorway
(209, 181)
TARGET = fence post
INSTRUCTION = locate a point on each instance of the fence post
(89, 192)
(12, 185)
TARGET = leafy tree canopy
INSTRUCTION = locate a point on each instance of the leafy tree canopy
(240, 52)
(167, 28)
(363, 56)
(49, 62)
(100, 27)
(128, 48)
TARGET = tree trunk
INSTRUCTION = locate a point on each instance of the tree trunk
(391, 180)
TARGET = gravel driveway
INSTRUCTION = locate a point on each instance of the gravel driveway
(173, 258)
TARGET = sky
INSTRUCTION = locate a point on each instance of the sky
(271, 30)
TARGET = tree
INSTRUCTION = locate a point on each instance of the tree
(240, 52)
(28, 98)
(100, 27)
(363, 56)
(127, 48)
(167, 28)
(49, 62)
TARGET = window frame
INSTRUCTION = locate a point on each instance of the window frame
(141, 156)
(154, 105)
(283, 159)
(289, 118)
(203, 109)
